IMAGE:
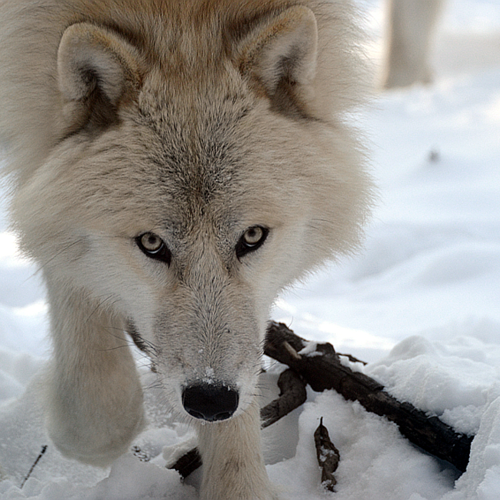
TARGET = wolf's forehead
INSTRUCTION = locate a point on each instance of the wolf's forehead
(190, 105)
(194, 158)
(199, 132)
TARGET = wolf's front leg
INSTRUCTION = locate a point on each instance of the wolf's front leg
(233, 466)
(93, 394)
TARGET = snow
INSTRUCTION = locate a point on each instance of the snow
(420, 304)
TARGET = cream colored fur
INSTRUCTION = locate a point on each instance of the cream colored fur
(411, 28)
(195, 121)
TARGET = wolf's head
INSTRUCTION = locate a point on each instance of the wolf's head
(199, 171)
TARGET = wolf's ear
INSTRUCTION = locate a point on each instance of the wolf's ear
(281, 54)
(96, 69)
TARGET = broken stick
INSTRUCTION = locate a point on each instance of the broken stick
(40, 455)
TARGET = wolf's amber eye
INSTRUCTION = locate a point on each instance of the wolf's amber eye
(153, 246)
(151, 242)
(251, 239)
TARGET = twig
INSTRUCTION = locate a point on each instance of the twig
(292, 394)
(44, 449)
(352, 358)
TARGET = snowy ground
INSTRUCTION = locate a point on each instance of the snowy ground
(422, 305)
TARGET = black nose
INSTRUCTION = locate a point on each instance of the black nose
(210, 402)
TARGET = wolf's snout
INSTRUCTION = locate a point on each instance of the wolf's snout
(210, 402)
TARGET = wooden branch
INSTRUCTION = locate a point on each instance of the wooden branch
(292, 394)
(322, 369)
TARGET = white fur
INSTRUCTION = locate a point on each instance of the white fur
(195, 121)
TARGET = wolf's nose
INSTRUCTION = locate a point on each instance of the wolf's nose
(210, 402)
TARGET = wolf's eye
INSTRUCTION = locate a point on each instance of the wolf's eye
(251, 239)
(153, 246)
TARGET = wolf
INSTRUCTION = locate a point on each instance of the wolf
(173, 167)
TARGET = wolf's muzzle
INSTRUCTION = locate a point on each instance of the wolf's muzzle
(210, 402)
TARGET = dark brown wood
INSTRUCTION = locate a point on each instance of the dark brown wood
(328, 456)
(323, 370)
(188, 463)
(293, 394)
